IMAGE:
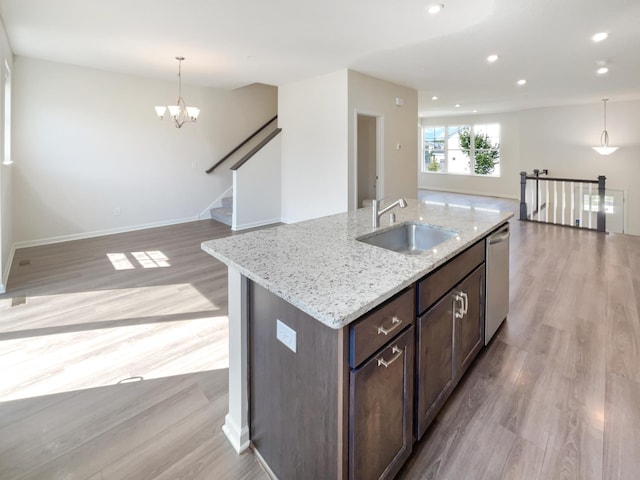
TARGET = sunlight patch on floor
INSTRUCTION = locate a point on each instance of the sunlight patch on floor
(65, 362)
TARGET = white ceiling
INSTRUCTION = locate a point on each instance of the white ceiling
(231, 43)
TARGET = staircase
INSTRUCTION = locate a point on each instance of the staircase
(224, 213)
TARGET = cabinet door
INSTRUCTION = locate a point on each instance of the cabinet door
(381, 411)
(435, 375)
(469, 326)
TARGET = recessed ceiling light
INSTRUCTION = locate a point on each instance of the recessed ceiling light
(457, 105)
(475, 111)
(435, 97)
(521, 82)
(492, 58)
(602, 70)
(435, 8)
(598, 37)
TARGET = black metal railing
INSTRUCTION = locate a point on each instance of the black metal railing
(242, 144)
(563, 201)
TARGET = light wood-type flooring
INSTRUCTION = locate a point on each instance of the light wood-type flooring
(113, 363)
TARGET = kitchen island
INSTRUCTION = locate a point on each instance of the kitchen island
(299, 296)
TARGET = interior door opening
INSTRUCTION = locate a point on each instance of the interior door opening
(367, 148)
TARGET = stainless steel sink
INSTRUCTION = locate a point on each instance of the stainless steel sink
(410, 238)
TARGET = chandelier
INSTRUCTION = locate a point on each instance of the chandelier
(604, 148)
(180, 112)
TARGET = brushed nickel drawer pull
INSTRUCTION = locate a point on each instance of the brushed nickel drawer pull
(395, 323)
(398, 353)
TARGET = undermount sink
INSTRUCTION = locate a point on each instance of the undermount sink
(409, 238)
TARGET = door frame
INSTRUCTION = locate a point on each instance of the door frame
(353, 201)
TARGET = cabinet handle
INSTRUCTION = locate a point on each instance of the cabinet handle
(395, 323)
(459, 312)
(463, 298)
(398, 353)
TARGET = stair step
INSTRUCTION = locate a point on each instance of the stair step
(221, 214)
(227, 202)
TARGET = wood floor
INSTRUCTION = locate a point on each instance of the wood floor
(113, 363)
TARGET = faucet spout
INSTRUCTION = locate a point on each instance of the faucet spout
(377, 212)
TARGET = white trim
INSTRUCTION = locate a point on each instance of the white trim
(100, 233)
(206, 213)
(238, 438)
(7, 270)
(236, 423)
(470, 192)
(261, 223)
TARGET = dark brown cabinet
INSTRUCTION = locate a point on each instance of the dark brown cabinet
(381, 411)
(435, 361)
(450, 332)
(469, 322)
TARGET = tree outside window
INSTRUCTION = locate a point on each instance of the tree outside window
(462, 149)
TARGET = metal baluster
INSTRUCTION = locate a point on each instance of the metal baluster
(564, 202)
(580, 206)
(547, 203)
(555, 201)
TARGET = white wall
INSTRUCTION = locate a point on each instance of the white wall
(313, 117)
(6, 171)
(88, 142)
(560, 139)
(257, 188)
(372, 96)
(503, 186)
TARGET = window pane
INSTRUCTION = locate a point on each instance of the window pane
(486, 144)
(457, 158)
(433, 149)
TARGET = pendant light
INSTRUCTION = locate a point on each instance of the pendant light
(604, 148)
(180, 112)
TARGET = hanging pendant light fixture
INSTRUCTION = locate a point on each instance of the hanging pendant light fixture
(604, 148)
(180, 112)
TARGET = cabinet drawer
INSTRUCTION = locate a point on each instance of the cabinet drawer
(442, 280)
(376, 328)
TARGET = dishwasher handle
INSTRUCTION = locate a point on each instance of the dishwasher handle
(500, 236)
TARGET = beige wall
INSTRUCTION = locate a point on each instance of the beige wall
(372, 96)
(99, 148)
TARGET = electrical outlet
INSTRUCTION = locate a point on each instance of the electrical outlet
(286, 335)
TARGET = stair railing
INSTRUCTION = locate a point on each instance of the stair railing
(553, 200)
(242, 144)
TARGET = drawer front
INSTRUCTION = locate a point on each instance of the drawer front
(442, 280)
(376, 328)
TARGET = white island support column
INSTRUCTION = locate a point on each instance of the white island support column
(236, 422)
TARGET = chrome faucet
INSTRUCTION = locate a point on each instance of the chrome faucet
(375, 219)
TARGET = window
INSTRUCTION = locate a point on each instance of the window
(462, 149)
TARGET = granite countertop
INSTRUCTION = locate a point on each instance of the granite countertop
(319, 267)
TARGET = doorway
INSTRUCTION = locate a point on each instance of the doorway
(367, 148)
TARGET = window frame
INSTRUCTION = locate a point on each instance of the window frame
(445, 151)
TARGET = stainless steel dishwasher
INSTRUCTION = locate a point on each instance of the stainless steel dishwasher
(497, 285)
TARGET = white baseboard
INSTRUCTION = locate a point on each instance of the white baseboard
(100, 233)
(261, 223)
(239, 439)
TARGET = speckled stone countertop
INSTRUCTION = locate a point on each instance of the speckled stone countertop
(319, 267)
